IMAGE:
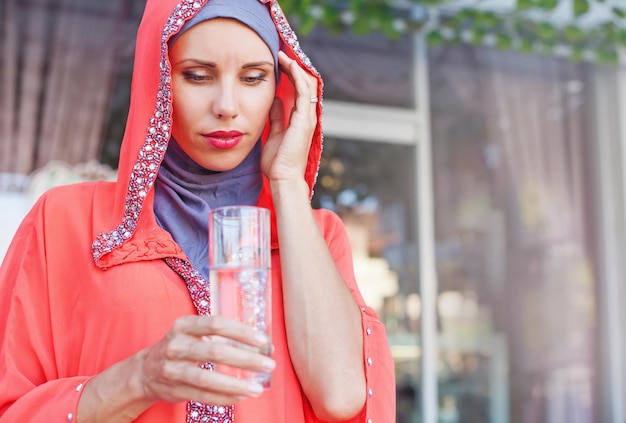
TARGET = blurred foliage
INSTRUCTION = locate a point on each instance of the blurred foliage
(529, 27)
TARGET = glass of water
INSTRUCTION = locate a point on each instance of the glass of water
(240, 275)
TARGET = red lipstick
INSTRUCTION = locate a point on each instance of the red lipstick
(223, 139)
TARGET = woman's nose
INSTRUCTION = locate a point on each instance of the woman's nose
(225, 102)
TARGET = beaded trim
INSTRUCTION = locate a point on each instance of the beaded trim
(151, 154)
(198, 287)
(288, 35)
(199, 290)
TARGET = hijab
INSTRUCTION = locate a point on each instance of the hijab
(185, 192)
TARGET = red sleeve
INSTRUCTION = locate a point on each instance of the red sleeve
(380, 406)
(30, 388)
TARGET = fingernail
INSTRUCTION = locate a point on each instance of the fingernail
(255, 389)
(268, 364)
(261, 338)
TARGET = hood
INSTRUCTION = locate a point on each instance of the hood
(130, 225)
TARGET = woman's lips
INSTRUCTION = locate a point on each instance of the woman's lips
(223, 139)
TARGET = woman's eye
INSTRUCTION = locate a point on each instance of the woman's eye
(253, 79)
(195, 76)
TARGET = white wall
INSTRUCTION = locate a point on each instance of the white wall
(13, 208)
(19, 192)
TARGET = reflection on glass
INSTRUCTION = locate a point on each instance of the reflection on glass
(516, 290)
(372, 188)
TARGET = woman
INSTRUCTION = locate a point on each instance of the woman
(105, 312)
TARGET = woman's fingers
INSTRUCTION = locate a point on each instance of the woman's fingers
(193, 383)
(171, 369)
(201, 339)
(220, 350)
(199, 326)
(286, 150)
(301, 79)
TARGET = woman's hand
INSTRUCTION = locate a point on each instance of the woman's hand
(286, 151)
(170, 371)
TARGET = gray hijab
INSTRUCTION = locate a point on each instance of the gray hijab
(185, 192)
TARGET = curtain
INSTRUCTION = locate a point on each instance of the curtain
(537, 117)
(370, 69)
(535, 105)
(58, 61)
(514, 222)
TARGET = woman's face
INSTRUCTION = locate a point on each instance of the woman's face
(223, 86)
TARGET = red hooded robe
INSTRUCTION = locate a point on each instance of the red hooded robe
(91, 279)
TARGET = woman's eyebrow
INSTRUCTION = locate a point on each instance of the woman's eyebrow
(257, 64)
(197, 62)
(214, 65)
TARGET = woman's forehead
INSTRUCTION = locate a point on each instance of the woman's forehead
(219, 37)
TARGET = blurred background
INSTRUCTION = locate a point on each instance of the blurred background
(475, 150)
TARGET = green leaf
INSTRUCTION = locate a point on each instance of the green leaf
(607, 56)
(619, 12)
(361, 25)
(302, 7)
(573, 33)
(504, 41)
(548, 4)
(435, 38)
(488, 19)
(390, 29)
(580, 7)
(577, 55)
(546, 31)
(526, 46)
(525, 4)
(547, 48)
(331, 17)
(307, 24)
(288, 7)
(478, 35)
(466, 14)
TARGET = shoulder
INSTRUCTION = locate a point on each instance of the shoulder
(58, 229)
(63, 193)
(72, 199)
(68, 209)
(332, 227)
(54, 225)
(328, 219)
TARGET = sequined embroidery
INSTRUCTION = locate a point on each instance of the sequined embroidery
(199, 291)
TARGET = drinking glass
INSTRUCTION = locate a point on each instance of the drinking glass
(240, 274)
